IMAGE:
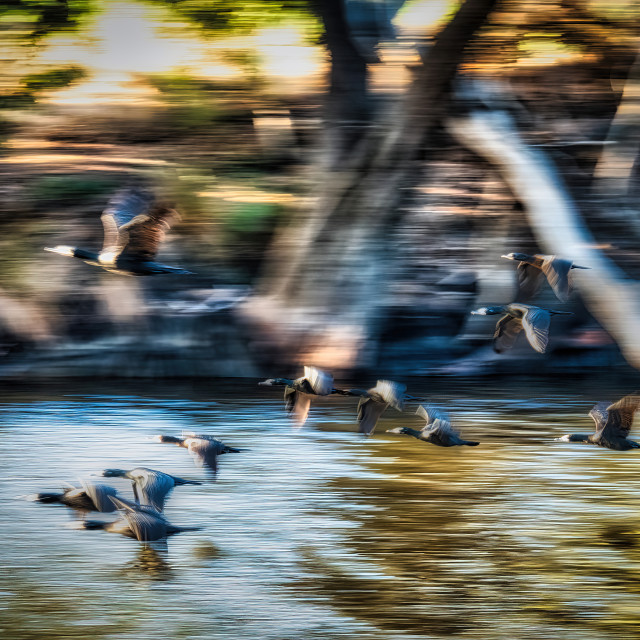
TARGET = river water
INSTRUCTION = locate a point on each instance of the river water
(317, 532)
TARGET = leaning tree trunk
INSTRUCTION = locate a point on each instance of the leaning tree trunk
(612, 298)
(321, 296)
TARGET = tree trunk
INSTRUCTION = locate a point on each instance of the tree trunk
(321, 302)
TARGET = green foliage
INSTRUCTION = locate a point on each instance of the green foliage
(243, 16)
(50, 191)
(53, 79)
(252, 217)
(34, 83)
(47, 16)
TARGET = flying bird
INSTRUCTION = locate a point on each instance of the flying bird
(437, 430)
(374, 401)
(91, 496)
(613, 423)
(134, 226)
(297, 393)
(150, 487)
(141, 522)
(534, 320)
(204, 449)
(533, 270)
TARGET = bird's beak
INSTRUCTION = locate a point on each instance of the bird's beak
(61, 249)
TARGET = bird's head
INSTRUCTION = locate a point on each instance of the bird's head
(363, 393)
(397, 430)
(275, 382)
(519, 257)
(112, 473)
(572, 437)
(62, 249)
(487, 311)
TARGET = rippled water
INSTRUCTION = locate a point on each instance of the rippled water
(319, 533)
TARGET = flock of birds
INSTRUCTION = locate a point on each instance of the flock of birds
(142, 518)
(613, 420)
(134, 225)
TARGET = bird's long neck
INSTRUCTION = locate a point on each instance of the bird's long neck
(83, 254)
(115, 473)
(535, 261)
(172, 440)
(282, 382)
(412, 432)
(579, 437)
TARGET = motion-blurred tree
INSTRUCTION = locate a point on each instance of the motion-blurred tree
(321, 296)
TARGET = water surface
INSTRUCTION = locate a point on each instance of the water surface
(317, 532)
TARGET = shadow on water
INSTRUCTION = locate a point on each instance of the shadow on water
(320, 533)
(150, 562)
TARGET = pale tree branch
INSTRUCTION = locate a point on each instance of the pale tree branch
(613, 299)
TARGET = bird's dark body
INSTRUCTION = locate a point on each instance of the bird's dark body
(298, 392)
(613, 423)
(68, 497)
(374, 401)
(532, 271)
(90, 497)
(437, 430)
(439, 439)
(204, 449)
(134, 227)
(518, 316)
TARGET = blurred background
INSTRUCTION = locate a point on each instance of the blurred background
(348, 174)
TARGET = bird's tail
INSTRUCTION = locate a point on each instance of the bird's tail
(470, 444)
(87, 524)
(172, 529)
(164, 268)
(180, 481)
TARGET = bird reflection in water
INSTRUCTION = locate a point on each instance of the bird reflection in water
(151, 561)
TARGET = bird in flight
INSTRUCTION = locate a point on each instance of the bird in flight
(134, 226)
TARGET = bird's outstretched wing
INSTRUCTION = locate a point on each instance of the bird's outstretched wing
(320, 381)
(204, 450)
(301, 408)
(600, 416)
(621, 414)
(507, 330)
(152, 487)
(556, 271)
(369, 412)
(391, 392)
(440, 432)
(535, 323)
(100, 495)
(431, 414)
(134, 226)
(145, 524)
(530, 280)
(290, 398)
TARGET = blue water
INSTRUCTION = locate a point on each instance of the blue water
(317, 532)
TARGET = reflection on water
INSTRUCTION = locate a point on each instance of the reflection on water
(320, 533)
